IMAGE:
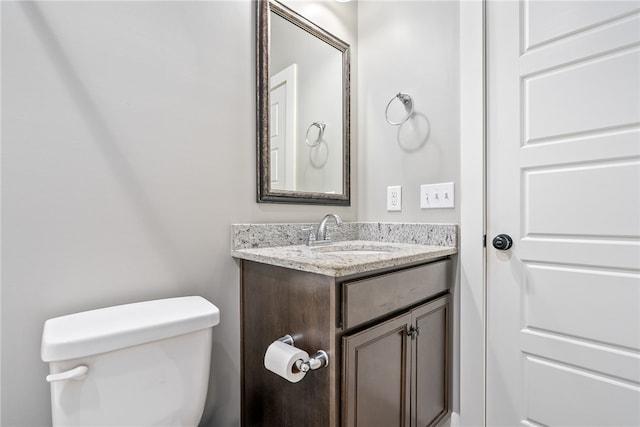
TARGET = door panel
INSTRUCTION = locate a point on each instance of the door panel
(573, 99)
(430, 355)
(277, 128)
(557, 19)
(379, 400)
(557, 197)
(608, 360)
(282, 127)
(597, 400)
(563, 180)
(604, 318)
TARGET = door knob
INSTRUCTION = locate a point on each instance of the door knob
(502, 242)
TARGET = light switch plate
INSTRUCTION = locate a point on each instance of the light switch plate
(394, 198)
(436, 196)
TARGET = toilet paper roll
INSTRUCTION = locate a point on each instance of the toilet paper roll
(281, 359)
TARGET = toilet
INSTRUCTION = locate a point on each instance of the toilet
(142, 364)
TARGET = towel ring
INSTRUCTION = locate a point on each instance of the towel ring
(406, 100)
(320, 126)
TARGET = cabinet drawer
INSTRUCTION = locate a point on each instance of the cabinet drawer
(367, 299)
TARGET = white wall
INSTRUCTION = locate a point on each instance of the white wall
(410, 47)
(128, 149)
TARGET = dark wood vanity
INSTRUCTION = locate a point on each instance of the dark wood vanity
(387, 333)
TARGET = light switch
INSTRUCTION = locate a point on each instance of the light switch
(446, 193)
(436, 196)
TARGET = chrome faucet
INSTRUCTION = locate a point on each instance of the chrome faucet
(320, 237)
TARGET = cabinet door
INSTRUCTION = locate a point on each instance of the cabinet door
(376, 375)
(430, 363)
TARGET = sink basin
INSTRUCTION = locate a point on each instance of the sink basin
(342, 249)
(351, 252)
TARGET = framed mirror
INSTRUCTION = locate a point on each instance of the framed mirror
(303, 117)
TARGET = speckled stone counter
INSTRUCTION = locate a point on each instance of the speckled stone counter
(384, 244)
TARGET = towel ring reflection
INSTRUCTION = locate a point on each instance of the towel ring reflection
(406, 101)
(320, 126)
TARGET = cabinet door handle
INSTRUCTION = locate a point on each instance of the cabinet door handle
(413, 332)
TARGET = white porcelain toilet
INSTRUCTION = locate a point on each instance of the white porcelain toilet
(142, 364)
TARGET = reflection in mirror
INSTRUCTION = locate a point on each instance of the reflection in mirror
(303, 110)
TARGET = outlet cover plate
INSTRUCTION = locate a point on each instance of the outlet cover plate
(394, 198)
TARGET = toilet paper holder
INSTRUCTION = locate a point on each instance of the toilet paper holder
(320, 359)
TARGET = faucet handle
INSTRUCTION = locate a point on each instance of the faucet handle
(330, 230)
(311, 236)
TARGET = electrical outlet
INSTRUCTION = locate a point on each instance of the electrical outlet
(435, 196)
(394, 198)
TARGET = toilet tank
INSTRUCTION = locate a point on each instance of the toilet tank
(141, 364)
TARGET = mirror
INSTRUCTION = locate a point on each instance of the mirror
(303, 123)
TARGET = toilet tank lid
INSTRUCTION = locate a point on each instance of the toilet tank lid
(112, 328)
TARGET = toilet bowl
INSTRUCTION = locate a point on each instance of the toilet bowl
(142, 364)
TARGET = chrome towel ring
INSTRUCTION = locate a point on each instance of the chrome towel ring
(407, 101)
(320, 126)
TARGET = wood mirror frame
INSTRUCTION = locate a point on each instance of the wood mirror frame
(265, 193)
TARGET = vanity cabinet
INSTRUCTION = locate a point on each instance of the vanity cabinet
(395, 373)
(387, 334)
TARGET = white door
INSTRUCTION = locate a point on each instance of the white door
(563, 178)
(282, 128)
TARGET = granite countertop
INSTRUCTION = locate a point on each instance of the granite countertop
(344, 258)
(387, 245)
